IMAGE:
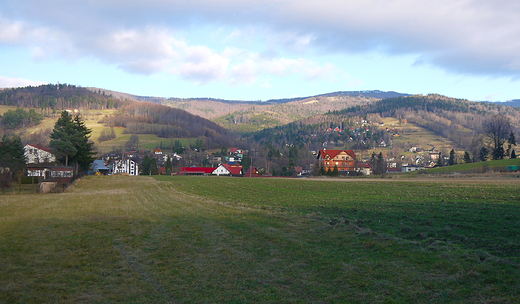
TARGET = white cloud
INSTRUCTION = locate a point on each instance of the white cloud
(7, 82)
(461, 36)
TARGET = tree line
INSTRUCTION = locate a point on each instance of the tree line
(54, 97)
(13, 119)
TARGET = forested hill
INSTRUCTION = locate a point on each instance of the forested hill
(167, 122)
(433, 103)
(58, 97)
(456, 120)
(137, 117)
(452, 118)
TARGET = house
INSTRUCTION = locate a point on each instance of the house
(36, 154)
(126, 166)
(227, 169)
(176, 156)
(364, 169)
(50, 173)
(393, 170)
(434, 156)
(252, 172)
(410, 168)
(196, 170)
(299, 170)
(345, 160)
(98, 166)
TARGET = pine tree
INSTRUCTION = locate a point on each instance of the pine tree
(168, 165)
(467, 157)
(322, 171)
(451, 162)
(85, 154)
(511, 141)
(335, 172)
(70, 141)
(62, 138)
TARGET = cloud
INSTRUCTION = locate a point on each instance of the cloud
(460, 36)
(7, 82)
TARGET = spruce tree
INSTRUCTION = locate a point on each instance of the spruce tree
(168, 165)
(70, 141)
(451, 162)
(467, 157)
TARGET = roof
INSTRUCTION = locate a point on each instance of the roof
(393, 170)
(207, 170)
(235, 170)
(334, 153)
(363, 165)
(98, 165)
(233, 150)
(252, 171)
(40, 147)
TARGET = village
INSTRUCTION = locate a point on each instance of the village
(43, 167)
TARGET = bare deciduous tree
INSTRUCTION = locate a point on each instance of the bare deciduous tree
(498, 129)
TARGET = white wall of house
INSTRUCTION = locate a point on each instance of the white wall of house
(221, 170)
(126, 166)
(34, 155)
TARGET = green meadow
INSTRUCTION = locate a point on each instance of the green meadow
(121, 239)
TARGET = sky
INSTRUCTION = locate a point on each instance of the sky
(264, 49)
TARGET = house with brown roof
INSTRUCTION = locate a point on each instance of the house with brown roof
(345, 160)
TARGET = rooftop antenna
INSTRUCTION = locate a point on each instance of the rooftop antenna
(58, 85)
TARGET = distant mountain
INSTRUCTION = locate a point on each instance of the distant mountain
(511, 103)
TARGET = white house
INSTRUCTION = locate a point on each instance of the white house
(36, 154)
(126, 166)
(226, 169)
(410, 168)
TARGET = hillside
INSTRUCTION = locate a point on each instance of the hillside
(101, 110)
(391, 126)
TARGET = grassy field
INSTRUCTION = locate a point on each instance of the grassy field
(238, 240)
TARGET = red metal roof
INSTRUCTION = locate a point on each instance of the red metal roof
(235, 170)
(207, 170)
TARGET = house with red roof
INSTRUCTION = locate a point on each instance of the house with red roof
(227, 169)
(345, 160)
(252, 172)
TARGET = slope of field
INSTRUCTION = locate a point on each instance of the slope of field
(213, 240)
